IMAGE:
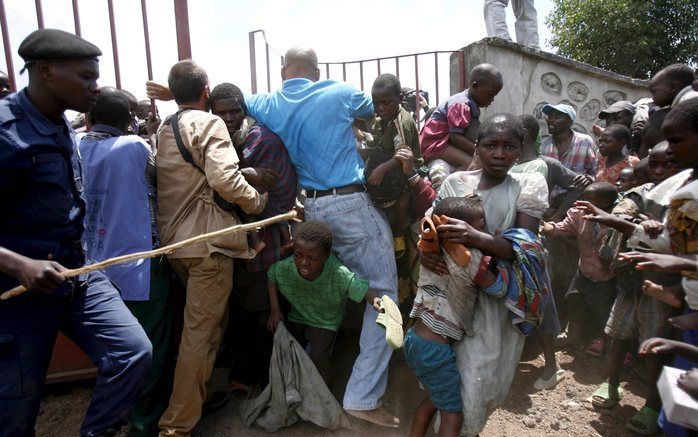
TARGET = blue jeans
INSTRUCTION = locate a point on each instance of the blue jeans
(93, 315)
(363, 242)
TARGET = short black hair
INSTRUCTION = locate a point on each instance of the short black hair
(315, 231)
(485, 73)
(501, 122)
(226, 91)
(112, 108)
(619, 132)
(530, 125)
(389, 82)
(605, 189)
(684, 115)
(187, 81)
(682, 74)
(461, 208)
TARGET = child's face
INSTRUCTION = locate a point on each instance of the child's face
(485, 92)
(683, 145)
(621, 117)
(309, 258)
(627, 180)
(609, 145)
(598, 200)
(498, 152)
(477, 220)
(662, 90)
(659, 167)
(385, 103)
(231, 111)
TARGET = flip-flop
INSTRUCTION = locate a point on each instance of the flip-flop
(551, 383)
(644, 421)
(459, 253)
(391, 320)
(240, 391)
(428, 238)
(602, 397)
(596, 348)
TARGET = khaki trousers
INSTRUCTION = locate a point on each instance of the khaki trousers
(208, 282)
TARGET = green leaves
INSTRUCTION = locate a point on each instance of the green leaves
(631, 37)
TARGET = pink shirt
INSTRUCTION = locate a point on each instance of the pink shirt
(589, 238)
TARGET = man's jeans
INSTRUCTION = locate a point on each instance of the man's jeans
(526, 25)
(96, 319)
(363, 242)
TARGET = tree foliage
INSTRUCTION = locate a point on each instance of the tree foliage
(632, 37)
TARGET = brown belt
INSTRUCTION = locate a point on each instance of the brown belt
(347, 189)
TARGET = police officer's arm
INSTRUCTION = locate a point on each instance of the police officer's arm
(222, 170)
(33, 274)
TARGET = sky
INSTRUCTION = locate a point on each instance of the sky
(339, 30)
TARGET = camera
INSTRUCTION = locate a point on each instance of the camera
(409, 99)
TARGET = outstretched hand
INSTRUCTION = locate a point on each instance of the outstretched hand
(658, 346)
(652, 228)
(459, 232)
(156, 91)
(659, 262)
(581, 181)
(406, 158)
(434, 262)
(593, 213)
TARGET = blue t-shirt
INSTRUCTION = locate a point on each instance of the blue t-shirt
(314, 120)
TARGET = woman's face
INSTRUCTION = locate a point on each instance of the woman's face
(683, 144)
(498, 152)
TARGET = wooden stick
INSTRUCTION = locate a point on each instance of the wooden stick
(162, 250)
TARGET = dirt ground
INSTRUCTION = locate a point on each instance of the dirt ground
(559, 412)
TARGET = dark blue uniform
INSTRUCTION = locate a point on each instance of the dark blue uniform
(41, 217)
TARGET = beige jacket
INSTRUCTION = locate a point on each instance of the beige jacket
(186, 207)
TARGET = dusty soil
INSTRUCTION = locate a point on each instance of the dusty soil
(560, 412)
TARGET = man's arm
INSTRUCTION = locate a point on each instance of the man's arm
(459, 141)
(222, 171)
(276, 315)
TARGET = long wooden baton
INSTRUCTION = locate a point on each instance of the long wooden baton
(162, 250)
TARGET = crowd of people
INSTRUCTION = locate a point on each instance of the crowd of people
(483, 231)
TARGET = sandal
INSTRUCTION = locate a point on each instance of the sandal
(596, 348)
(602, 397)
(391, 320)
(240, 391)
(459, 253)
(428, 238)
(644, 421)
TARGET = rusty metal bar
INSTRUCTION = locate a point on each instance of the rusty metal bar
(76, 18)
(6, 46)
(114, 46)
(379, 67)
(182, 25)
(148, 60)
(461, 71)
(416, 88)
(253, 62)
(397, 66)
(344, 71)
(39, 14)
(361, 74)
(266, 47)
(436, 76)
(327, 70)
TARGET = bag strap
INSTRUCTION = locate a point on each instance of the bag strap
(186, 155)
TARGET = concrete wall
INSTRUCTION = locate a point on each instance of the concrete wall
(533, 78)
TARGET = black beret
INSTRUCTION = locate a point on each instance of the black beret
(56, 44)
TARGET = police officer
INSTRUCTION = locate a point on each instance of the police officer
(41, 222)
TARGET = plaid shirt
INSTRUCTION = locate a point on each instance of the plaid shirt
(263, 149)
(580, 158)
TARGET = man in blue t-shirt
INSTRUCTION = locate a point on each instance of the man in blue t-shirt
(313, 118)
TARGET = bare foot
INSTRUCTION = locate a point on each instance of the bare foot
(685, 321)
(672, 296)
(688, 381)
